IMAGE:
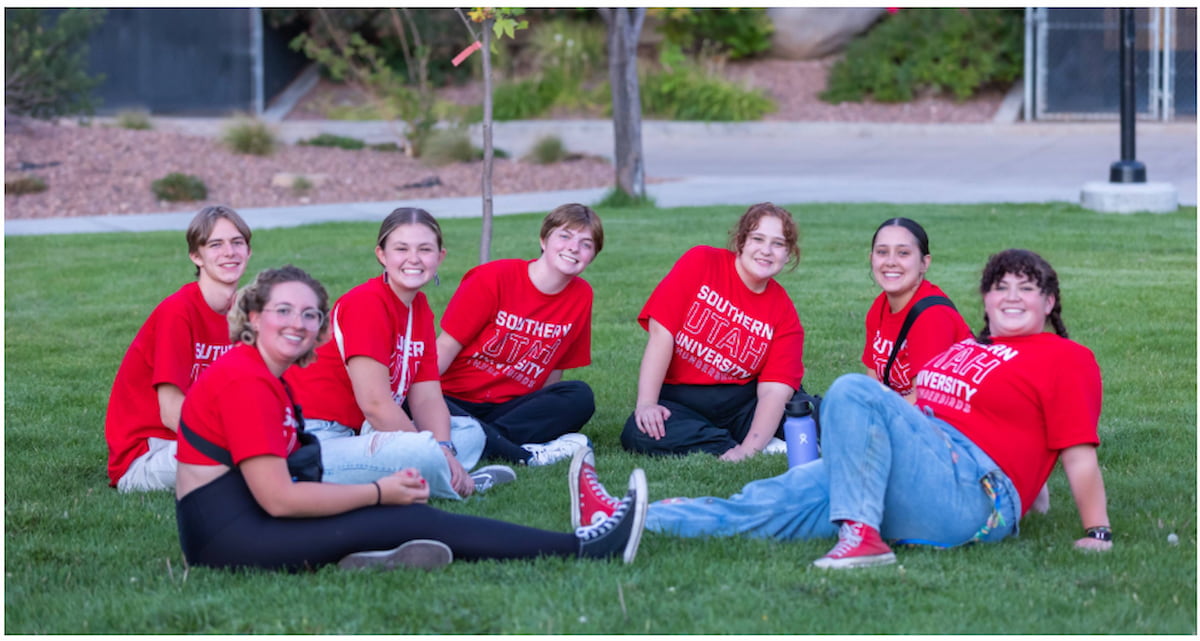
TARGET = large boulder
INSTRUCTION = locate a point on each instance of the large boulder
(807, 33)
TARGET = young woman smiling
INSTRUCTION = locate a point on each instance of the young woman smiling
(508, 333)
(382, 360)
(992, 418)
(237, 504)
(899, 259)
(725, 346)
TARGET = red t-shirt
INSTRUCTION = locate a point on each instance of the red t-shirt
(725, 333)
(182, 337)
(369, 320)
(239, 406)
(512, 334)
(1021, 399)
(937, 328)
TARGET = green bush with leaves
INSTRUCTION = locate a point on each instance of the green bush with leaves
(250, 136)
(547, 149)
(178, 187)
(45, 66)
(334, 140)
(954, 51)
(683, 90)
(134, 119)
(445, 146)
(736, 33)
(21, 185)
(529, 98)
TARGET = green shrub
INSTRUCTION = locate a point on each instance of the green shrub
(333, 140)
(683, 90)
(385, 146)
(250, 136)
(954, 51)
(45, 65)
(301, 185)
(21, 185)
(134, 119)
(547, 149)
(615, 198)
(529, 98)
(445, 146)
(176, 187)
(736, 33)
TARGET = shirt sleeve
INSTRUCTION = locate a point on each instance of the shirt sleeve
(785, 359)
(579, 353)
(667, 302)
(424, 331)
(1072, 404)
(174, 350)
(361, 328)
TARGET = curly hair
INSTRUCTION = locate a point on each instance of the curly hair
(1022, 262)
(749, 222)
(254, 297)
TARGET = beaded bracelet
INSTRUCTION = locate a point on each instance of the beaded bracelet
(1100, 533)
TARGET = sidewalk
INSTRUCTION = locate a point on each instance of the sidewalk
(743, 163)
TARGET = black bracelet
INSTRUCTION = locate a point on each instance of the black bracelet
(378, 493)
(1100, 533)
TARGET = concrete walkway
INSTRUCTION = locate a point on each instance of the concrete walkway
(743, 163)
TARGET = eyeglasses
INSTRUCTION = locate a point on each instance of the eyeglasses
(286, 313)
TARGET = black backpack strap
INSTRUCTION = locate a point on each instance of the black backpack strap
(917, 308)
(205, 446)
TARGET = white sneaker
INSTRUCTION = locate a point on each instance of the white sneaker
(775, 446)
(563, 447)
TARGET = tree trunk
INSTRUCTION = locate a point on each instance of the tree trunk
(624, 28)
(485, 236)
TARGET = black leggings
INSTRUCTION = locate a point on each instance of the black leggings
(221, 525)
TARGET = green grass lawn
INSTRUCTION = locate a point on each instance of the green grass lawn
(79, 558)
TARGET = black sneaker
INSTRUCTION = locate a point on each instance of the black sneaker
(422, 554)
(621, 532)
(490, 476)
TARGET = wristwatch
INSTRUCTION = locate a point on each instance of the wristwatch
(450, 446)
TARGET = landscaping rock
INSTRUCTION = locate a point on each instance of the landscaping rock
(809, 33)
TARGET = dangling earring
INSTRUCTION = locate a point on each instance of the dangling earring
(437, 280)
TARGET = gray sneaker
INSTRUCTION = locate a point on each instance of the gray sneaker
(421, 554)
(490, 476)
(559, 449)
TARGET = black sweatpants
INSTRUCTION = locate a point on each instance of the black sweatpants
(221, 525)
(704, 418)
(537, 417)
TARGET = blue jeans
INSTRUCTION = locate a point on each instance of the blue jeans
(913, 477)
(361, 458)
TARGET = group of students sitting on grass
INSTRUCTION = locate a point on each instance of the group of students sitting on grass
(270, 411)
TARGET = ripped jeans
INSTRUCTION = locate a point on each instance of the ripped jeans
(370, 455)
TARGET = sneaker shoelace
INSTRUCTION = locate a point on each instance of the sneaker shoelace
(592, 532)
(848, 539)
(591, 484)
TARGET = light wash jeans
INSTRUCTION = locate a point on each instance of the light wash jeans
(913, 477)
(372, 455)
(154, 470)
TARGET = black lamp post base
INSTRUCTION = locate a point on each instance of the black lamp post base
(1127, 171)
